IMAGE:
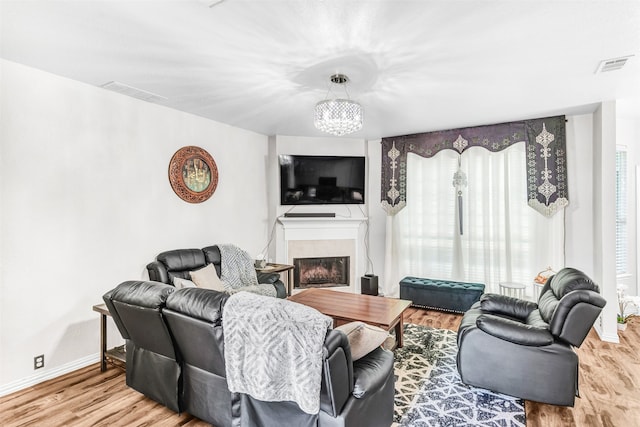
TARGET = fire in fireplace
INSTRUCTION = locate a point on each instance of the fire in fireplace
(324, 272)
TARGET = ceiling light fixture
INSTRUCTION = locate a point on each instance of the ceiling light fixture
(338, 116)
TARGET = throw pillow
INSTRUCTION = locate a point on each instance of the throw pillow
(207, 278)
(183, 283)
(363, 338)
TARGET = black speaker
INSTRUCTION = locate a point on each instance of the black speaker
(369, 284)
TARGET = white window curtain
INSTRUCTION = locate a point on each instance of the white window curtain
(503, 239)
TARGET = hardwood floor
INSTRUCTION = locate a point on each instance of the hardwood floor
(609, 388)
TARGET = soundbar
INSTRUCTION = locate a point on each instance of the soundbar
(310, 215)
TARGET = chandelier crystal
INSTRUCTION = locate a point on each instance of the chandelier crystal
(338, 116)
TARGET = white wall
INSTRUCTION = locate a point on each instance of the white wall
(579, 214)
(86, 204)
(604, 151)
(377, 216)
(590, 219)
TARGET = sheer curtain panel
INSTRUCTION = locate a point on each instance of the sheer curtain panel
(502, 240)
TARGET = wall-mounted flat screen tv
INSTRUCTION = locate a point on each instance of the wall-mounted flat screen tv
(321, 180)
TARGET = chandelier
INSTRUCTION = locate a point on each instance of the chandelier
(338, 116)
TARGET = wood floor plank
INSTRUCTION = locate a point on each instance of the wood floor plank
(609, 389)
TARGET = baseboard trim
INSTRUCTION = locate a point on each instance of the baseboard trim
(607, 337)
(46, 375)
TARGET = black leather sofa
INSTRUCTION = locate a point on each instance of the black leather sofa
(524, 349)
(179, 262)
(175, 356)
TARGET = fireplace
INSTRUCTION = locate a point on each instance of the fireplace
(316, 237)
(321, 272)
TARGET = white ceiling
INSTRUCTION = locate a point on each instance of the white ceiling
(415, 66)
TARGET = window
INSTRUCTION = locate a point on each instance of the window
(622, 256)
(503, 238)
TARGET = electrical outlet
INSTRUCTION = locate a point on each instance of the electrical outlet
(38, 362)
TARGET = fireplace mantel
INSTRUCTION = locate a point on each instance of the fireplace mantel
(323, 230)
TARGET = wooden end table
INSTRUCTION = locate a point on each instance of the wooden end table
(279, 268)
(343, 307)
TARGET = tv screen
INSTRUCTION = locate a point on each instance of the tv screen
(321, 180)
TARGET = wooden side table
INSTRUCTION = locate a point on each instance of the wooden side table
(279, 268)
(116, 356)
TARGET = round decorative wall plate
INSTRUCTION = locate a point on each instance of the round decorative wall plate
(193, 174)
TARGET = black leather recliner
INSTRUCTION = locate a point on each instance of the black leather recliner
(194, 317)
(524, 349)
(152, 366)
(179, 262)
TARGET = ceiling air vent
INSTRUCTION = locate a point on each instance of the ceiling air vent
(211, 3)
(612, 64)
(133, 92)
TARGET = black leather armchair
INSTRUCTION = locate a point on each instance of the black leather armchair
(525, 349)
(179, 262)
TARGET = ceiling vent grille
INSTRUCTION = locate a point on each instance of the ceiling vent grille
(612, 64)
(211, 3)
(214, 3)
(132, 91)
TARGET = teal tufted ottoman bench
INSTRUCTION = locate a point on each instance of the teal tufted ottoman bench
(440, 294)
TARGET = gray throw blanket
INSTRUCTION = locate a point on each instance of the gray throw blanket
(238, 272)
(273, 349)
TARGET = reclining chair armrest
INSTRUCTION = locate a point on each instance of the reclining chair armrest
(507, 306)
(273, 279)
(371, 372)
(267, 277)
(513, 331)
(158, 272)
(337, 373)
(281, 290)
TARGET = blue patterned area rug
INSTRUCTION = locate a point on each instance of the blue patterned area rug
(429, 392)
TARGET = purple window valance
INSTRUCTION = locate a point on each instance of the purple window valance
(545, 141)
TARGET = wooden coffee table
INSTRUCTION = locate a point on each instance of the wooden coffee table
(386, 313)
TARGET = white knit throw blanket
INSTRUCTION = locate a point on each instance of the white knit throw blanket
(238, 273)
(273, 349)
(237, 269)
